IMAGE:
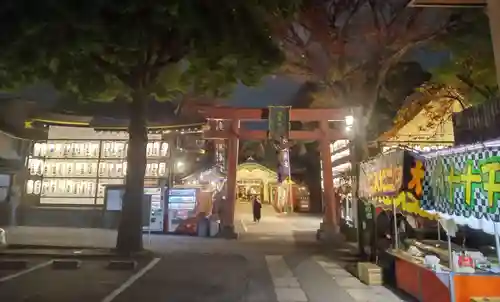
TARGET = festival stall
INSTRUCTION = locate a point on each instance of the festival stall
(390, 182)
(462, 186)
(457, 187)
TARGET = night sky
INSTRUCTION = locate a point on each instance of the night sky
(274, 90)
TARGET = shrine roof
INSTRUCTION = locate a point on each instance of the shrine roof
(114, 116)
(455, 3)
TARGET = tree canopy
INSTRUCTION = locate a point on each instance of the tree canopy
(350, 46)
(469, 65)
(137, 50)
(103, 49)
(401, 82)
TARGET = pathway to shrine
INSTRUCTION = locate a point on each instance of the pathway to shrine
(224, 126)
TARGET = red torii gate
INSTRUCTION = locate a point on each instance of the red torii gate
(224, 124)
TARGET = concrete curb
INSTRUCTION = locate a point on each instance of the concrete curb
(12, 264)
(66, 252)
(64, 264)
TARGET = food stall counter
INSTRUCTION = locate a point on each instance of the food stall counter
(421, 282)
(428, 285)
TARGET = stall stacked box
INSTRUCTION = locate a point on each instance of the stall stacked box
(369, 273)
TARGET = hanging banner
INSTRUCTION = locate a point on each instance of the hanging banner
(279, 122)
(284, 166)
(464, 183)
(390, 174)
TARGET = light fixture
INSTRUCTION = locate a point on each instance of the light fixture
(180, 164)
(349, 120)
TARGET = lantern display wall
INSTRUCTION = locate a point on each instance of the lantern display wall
(75, 172)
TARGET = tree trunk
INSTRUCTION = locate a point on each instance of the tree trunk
(130, 229)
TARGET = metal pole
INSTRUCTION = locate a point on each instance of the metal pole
(497, 239)
(396, 235)
(450, 254)
(150, 219)
(439, 232)
(290, 186)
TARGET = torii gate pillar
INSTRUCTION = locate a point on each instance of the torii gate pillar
(330, 225)
(233, 142)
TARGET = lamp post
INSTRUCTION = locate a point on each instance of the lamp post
(354, 124)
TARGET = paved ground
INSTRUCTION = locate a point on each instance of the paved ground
(91, 282)
(277, 260)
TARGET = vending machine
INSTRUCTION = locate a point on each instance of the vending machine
(181, 213)
(152, 205)
(157, 214)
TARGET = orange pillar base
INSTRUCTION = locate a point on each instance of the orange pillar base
(329, 228)
(227, 228)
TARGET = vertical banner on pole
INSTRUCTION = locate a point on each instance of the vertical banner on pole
(284, 169)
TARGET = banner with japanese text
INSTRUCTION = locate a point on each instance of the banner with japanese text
(391, 173)
(284, 166)
(394, 179)
(279, 122)
(463, 183)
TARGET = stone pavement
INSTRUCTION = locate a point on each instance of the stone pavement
(273, 223)
(277, 260)
(286, 284)
(355, 288)
(193, 276)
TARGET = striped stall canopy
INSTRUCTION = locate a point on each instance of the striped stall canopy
(463, 183)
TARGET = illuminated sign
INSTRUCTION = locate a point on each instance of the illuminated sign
(391, 173)
(385, 181)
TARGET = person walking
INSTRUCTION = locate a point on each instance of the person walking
(257, 207)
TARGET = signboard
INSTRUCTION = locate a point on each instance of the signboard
(464, 184)
(114, 199)
(279, 122)
(390, 174)
(477, 124)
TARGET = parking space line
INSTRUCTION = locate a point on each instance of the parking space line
(243, 224)
(26, 271)
(131, 281)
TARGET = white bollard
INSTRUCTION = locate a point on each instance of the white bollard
(3, 238)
